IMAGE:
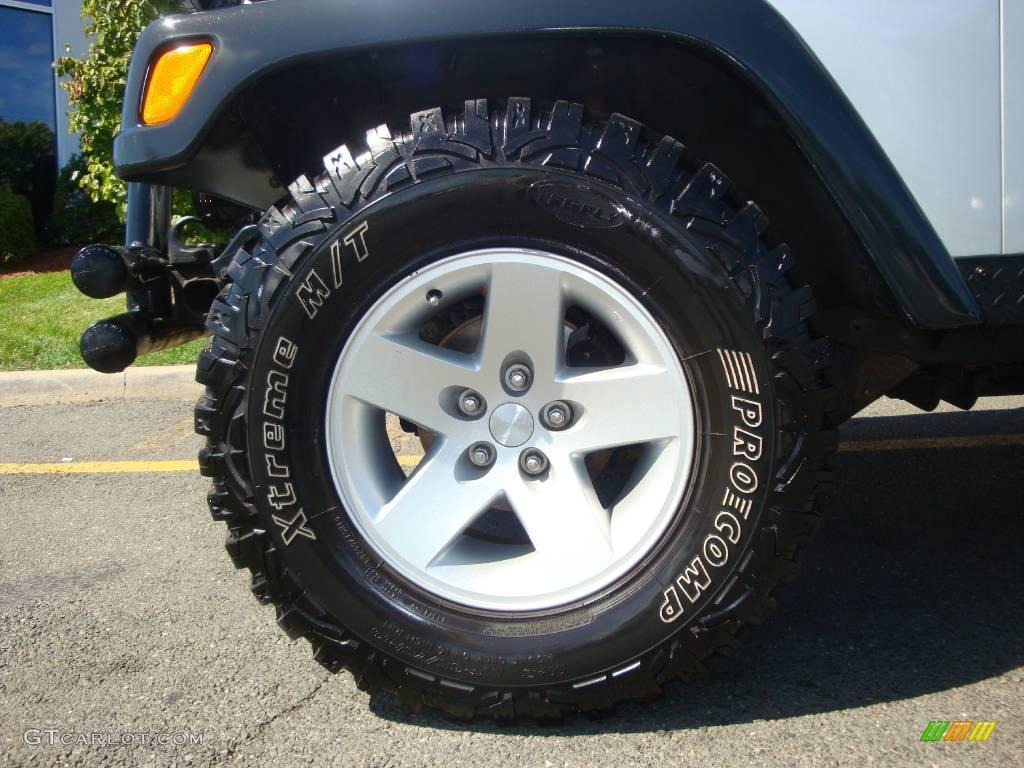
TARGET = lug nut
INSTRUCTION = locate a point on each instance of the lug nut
(533, 462)
(471, 403)
(556, 415)
(517, 377)
(481, 454)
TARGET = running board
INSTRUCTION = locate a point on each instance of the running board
(997, 284)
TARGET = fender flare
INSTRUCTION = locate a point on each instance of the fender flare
(253, 40)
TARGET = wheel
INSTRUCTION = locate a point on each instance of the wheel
(615, 405)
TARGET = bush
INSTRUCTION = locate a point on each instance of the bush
(28, 165)
(76, 220)
(95, 85)
(17, 238)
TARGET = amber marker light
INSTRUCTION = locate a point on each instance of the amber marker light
(172, 78)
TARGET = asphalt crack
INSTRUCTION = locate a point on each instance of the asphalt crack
(261, 727)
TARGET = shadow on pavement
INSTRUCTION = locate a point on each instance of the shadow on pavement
(914, 585)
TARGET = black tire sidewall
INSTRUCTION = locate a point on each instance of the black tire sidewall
(676, 277)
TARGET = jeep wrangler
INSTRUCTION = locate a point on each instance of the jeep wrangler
(617, 270)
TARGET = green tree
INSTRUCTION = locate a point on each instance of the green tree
(77, 220)
(28, 165)
(16, 240)
(96, 83)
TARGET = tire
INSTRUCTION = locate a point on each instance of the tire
(610, 199)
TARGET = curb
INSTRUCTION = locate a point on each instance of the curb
(172, 382)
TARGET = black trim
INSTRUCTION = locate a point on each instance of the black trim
(997, 284)
(254, 39)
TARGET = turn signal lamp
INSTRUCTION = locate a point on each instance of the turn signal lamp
(172, 78)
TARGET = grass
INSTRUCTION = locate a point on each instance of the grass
(42, 316)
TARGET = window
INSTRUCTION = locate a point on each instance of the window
(26, 66)
(28, 111)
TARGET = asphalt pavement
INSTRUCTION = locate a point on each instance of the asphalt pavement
(121, 616)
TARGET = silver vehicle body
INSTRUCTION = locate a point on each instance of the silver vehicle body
(940, 83)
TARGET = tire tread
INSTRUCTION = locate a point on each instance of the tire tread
(619, 151)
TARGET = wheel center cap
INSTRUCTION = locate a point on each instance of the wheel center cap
(511, 425)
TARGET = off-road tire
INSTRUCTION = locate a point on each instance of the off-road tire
(726, 237)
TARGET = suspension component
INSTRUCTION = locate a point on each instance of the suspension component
(169, 285)
(111, 345)
(100, 271)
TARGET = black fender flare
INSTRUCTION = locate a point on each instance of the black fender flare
(253, 40)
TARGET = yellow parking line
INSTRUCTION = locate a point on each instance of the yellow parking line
(99, 467)
(191, 465)
(111, 467)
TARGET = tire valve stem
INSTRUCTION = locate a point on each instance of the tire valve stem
(434, 297)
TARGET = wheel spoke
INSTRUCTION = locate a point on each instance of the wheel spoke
(563, 517)
(406, 376)
(623, 406)
(524, 312)
(433, 508)
(447, 527)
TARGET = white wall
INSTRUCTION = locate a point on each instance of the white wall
(1013, 126)
(67, 39)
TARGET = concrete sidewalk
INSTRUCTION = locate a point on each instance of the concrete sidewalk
(172, 382)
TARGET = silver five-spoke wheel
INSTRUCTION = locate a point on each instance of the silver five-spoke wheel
(547, 475)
